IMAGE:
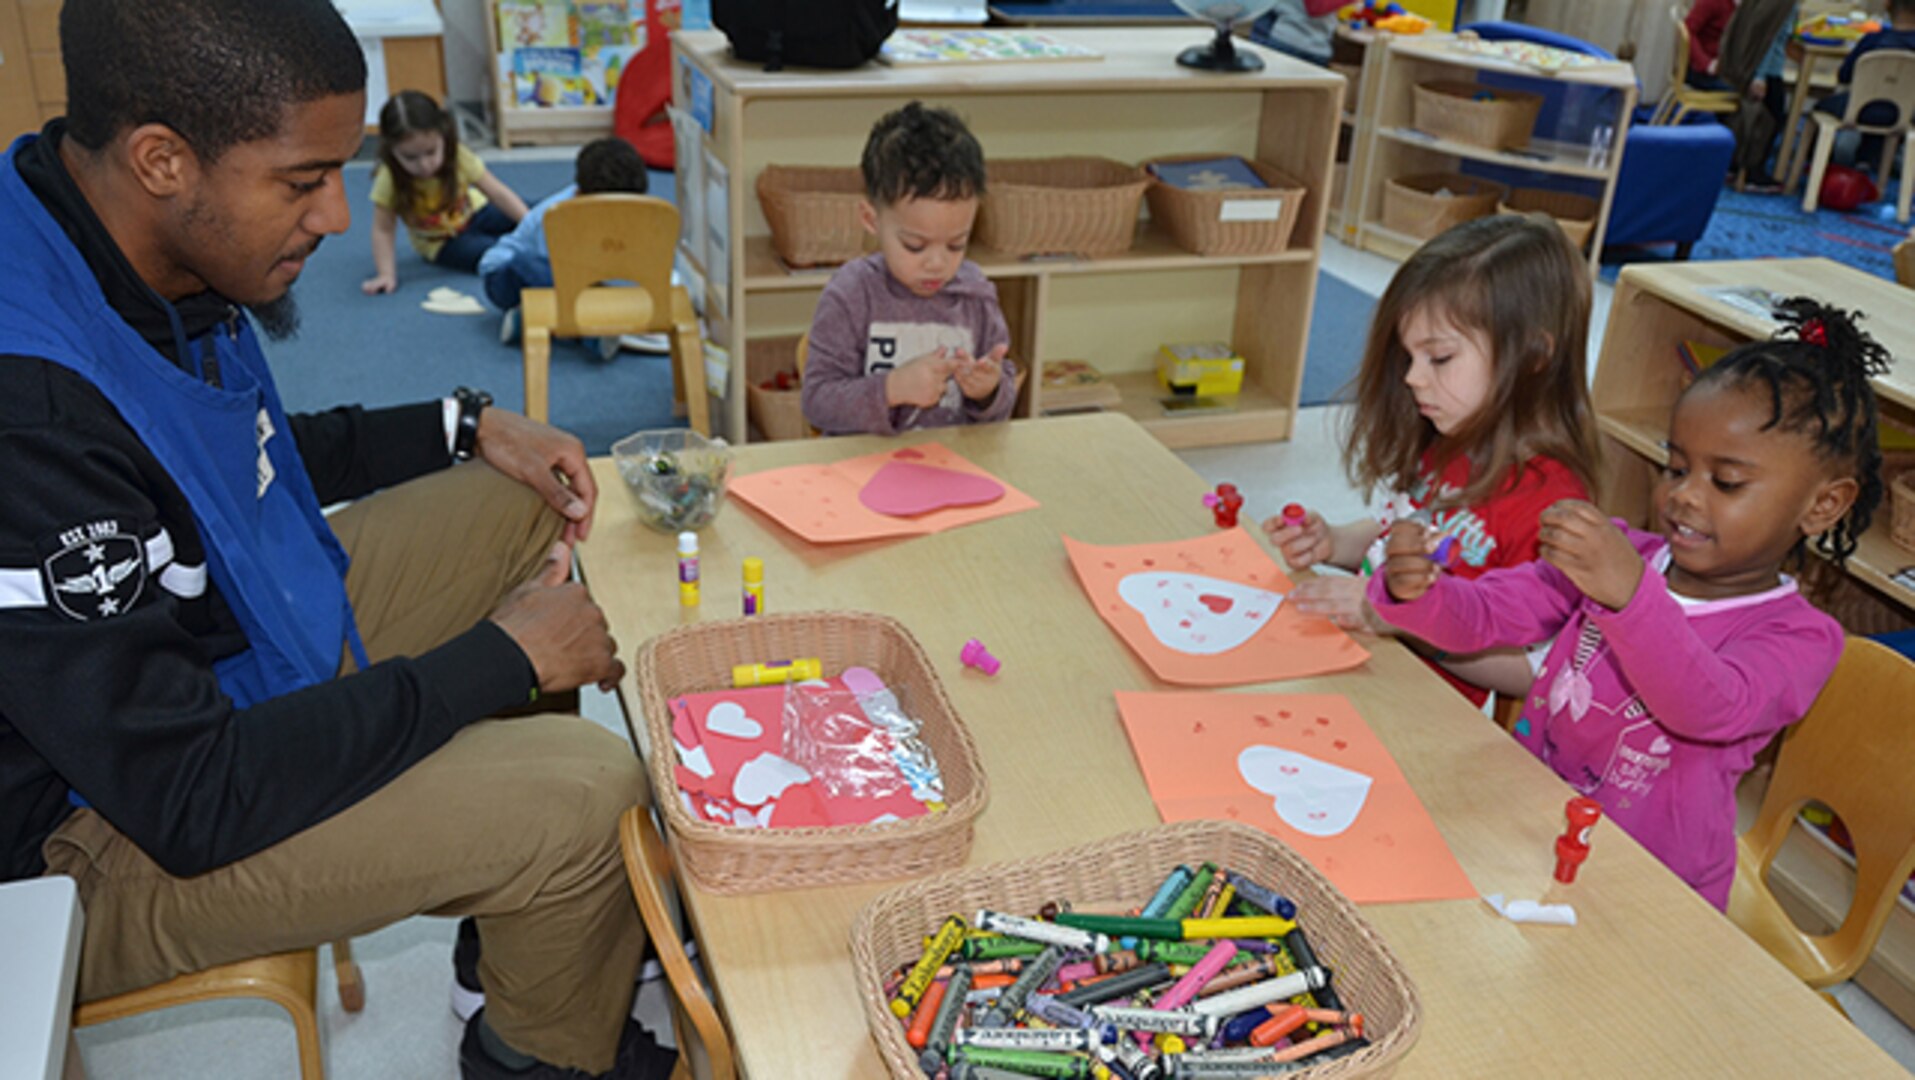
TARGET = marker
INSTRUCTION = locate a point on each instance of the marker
(688, 569)
(920, 978)
(1051, 933)
(754, 586)
(776, 671)
(952, 1007)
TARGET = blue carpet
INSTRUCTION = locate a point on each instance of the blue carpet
(1339, 324)
(1751, 226)
(385, 350)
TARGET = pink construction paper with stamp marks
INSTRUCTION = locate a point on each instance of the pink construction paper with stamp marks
(826, 504)
(1304, 768)
(1209, 611)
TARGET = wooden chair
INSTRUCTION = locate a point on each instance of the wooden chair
(1852, 752)
(1904, 255)
(613, 237)
(1883, 75)
(1681, 99)
(648, 865)
(289, 980)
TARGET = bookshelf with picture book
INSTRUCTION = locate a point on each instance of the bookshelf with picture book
(557, 63)
(1217, 184)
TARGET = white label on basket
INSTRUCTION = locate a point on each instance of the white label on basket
(1250, 210)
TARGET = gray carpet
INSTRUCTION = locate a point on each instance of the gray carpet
(385, 350)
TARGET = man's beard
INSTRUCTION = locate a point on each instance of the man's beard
(277, 319)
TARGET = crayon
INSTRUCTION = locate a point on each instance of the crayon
(1237, 1029)
(1196, 1068)
(1225, 897)
(1184, 989)
(1027, 1062)
(1264, 900)
(992, 981)
(1208, 902)
(1011, 1038)
(1161, 900)
(1282, 1022)
(994, 948)
(1314, 1044)
(1259, 926)
(1035, 974)
(1235, 1001)
(1172, 952)
(1047, 1008)
(964, 1070)
(1305, 957)
(1186, 901)
(1051, 933)
(939, 1038)
(920, 1030)
(1232, 1053)
(1171, 1021)
(1007, 966)
(1134, 1062)
(919, 980)
(1113, 987)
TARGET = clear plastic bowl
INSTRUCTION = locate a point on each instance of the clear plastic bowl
(676, 475)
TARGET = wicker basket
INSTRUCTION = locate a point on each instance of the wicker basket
(1575, 214)
(1197, 220)
(1127, 869)
(1901, 507)
(1468, 112)
(813, 213)
(776, 413)
(1060, 206)
(736, 860)
(1417, 206)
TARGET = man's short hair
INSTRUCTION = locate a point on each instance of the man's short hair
(610, 165)
(921, 153)
(219, 72)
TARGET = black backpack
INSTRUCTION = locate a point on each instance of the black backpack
(806, 33)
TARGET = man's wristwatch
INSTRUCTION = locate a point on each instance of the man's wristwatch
(465, 438)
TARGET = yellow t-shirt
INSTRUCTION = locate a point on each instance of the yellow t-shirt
(430, 231)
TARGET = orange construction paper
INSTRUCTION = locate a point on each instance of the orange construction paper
(1283, 643)
(820, 502)
(1308, 753)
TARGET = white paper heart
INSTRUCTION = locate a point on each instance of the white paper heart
(765, 777)
(695, 759)
(1660, 746)
(1195, 614)
(1313, 797)
(728, 718)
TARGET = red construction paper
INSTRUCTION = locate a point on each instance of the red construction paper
(1291, 765)
(1212, 596)
(822, 504)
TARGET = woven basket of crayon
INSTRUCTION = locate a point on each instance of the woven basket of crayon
(728, 859)
(1124, 873)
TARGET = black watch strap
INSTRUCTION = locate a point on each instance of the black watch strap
(465, 437)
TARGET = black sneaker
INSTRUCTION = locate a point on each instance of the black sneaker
(639, 1058)
(468, 994)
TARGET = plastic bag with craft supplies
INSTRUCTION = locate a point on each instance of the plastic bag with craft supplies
(858, 741)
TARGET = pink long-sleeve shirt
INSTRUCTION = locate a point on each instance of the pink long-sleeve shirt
(1655, 710)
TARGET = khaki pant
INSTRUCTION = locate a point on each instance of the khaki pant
(512, 821)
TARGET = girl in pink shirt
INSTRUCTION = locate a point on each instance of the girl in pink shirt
(1679, 654)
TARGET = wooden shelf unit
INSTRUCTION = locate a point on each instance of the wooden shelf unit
(1133, 104)
(1362, 51)
(1392, 146)
(1657, 308)
(517, 125)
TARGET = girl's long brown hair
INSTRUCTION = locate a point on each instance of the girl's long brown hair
(1519, 282)
(407, 113)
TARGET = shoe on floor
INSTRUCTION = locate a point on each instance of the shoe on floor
(607, 347)
(639, 1058)
(509, 328)
(468, 993)
(646, 343)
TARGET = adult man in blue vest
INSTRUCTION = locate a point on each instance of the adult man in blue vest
(235, 744)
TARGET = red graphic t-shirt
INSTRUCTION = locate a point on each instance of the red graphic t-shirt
(1493, 534)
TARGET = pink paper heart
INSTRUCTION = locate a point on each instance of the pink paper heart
(902, 489)
(909, 454)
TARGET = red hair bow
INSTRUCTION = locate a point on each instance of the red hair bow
(1814, 333)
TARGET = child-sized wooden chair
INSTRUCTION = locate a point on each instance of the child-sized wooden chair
(289, 980)
(704, 1047)
(1884, 75)
(1681, 99)
(613, 237)
(1852, 753)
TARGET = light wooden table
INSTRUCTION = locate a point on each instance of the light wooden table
(1805, 80)
(1653, 983)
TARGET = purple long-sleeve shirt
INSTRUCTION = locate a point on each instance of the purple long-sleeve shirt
(867, 323)
(1655, 710)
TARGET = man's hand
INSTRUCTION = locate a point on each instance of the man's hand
(1408, 570)
(1339, 599)
(560, 629)
(1588, 548)
(978, 376)
(538, 456)
(920, 380)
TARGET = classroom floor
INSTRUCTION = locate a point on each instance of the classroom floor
(407, 1029)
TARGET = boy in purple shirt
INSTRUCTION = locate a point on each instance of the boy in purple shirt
(912, 336)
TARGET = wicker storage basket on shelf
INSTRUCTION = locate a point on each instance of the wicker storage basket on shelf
(1575, 214)
(1370, 979)
(1487, 116)
(776, 413)
(1426, 204)
(1901, 496)
(740, 860)
(1060, 206)
(813, 213)
(1229, 222)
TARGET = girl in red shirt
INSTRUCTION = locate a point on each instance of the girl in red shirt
(1472, 415)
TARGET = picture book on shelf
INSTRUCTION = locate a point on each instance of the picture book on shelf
(1211, 174)
(532, 23)
(978, 47)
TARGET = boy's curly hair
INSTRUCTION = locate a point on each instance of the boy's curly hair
(921, 153)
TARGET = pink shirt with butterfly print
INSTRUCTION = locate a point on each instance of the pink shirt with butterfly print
(1655, 710)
